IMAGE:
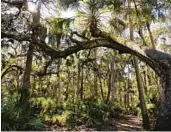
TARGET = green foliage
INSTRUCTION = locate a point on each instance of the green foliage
(55, 93)
(62, 119)
(89, 112)
(18, 118)
(138, 112)
(35, 124)
(96, 110)
(152, 111)
(60, 25)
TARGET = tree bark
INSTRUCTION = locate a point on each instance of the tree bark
(110, 95)
(146, 81)
(112, 78)
(164, 117)
(150, 34)
(101, 89)
(26, 77)
(95, 74)
(109, 88)
(127, 90)
(141, 97)
(78, 76)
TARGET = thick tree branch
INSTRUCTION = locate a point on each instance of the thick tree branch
(18, 37)
(16, 3)
(106, 40)
(119, 43)
(143, 52)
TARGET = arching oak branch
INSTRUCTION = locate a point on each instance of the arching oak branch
(155, 59)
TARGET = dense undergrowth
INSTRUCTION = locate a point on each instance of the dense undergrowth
(43, 113)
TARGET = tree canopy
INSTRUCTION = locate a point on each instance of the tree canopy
(49, 60)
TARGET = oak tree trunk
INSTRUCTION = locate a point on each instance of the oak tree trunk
(164, 116)
(26, 77)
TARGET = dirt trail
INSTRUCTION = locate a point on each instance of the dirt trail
(128, 123)
(121, 123)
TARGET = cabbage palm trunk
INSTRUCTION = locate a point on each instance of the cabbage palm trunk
(138, 78)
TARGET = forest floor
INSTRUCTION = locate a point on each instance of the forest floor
(128, 123)
(121, 123)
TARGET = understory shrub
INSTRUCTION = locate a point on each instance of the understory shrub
(16, 118)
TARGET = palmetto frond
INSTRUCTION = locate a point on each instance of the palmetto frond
(91, 14)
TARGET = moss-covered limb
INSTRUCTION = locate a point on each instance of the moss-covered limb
(152, 57)
(80, 45)
(117, 43)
